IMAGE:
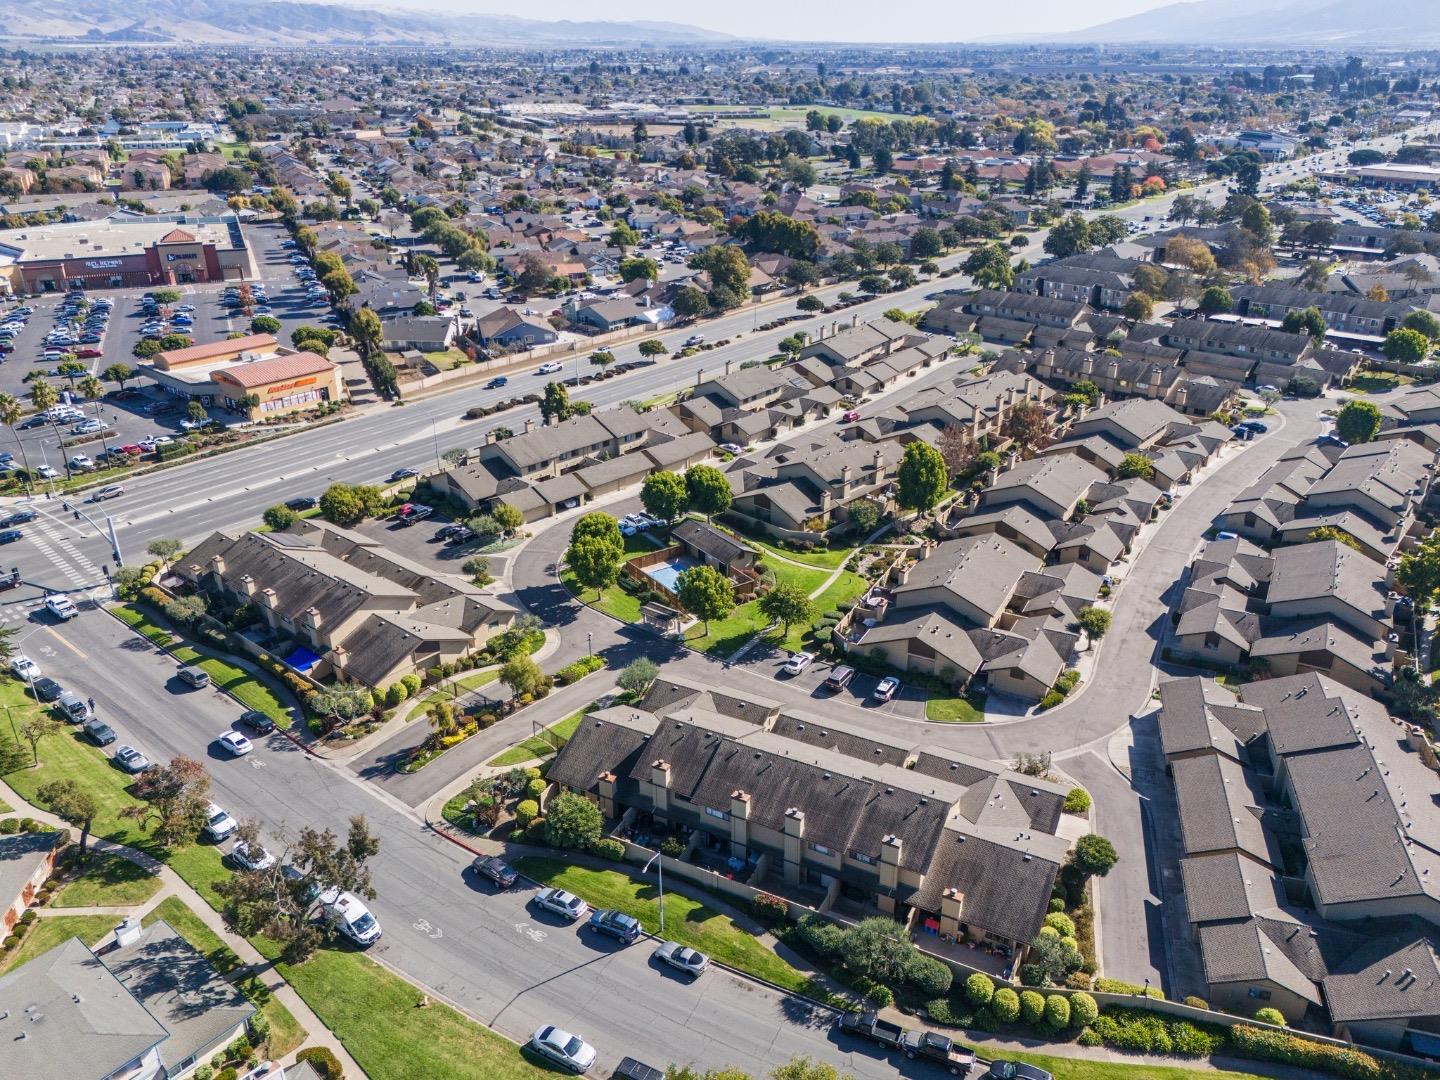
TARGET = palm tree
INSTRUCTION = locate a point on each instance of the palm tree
(92, 388)
(427, 265)
(10, 413)
(43, 395)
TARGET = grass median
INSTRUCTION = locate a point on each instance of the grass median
(687, 921)
(545, 742)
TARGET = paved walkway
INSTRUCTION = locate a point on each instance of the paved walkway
(172, 884)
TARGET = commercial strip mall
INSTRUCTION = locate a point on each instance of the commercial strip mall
(115, 254)
(253, 376)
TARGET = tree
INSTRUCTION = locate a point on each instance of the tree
(279, 518)
(43, 395)
(705, 593)
(264, 324)
(864, 515)
(1314, 275)
(708, 489)
(653, 347)
(1139, 307)
(341, 703)
(787, 604)
(636, 267)
(1419, 571)
(555, 405)
(508, 517)
(1094, 855)
(164, 549)
(1194, 255)
(1422, 322)
(923, 476)
(367, 331)
(174, 799)
(10, 414)
(1030, 426)
(523, 675)
(690, 302)
(1358, 421)
(343, 504)
(1215, 300)
(36, 728)
(601, 358)
(1331, 532)
(572, 821)
(877, 948)
(623, 236)
(1056, 958)
(989, 266)
(1309, 320)
(664, 495)
(1135, 464)
(72, 804)
(1094, 621)
(638, 675)
(1070, 236)
(797, 1068)
(594, 563)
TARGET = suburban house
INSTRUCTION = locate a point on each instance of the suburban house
(26, 861)
(805, 487)
(427, 333)
(145, 1007)
(1309, 844)
(342, 605)
(508, 328)
(809, 807)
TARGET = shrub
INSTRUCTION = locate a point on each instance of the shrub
(1142, 1032)
(1057, 903)
(323, 1061)
(821, 935)
(1078, 980)
(1118, 986)
(259, 1028)
(672, 847)
(1268, 1015)
(607, 848)
(228, 1073)
(1067, 681)
(950, 1012)
(1061, 924)
(29, 917)
(1032, 1007)
(930, 976)
(1197, 1002)
(769, 909)
(412, 683)
(1005, 1005)
(1265, 1045)
(1057, 1011)
(526, 812)
(534, 788)
(1077, 801)
(204, 1072)
(1083, 1009)
(1033, 975)
(1050, 700)
(979, 989)
(880, 996)
(9, 825)
(1089, 1037)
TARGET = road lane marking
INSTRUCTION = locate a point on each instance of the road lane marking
(68, 644)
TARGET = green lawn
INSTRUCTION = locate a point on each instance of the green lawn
(545, 742)
(1063, 1068)
(954, 710)
(453, 690)
(376, 1015)
(285, 1031)
(727, 634)
(1378, 382)
(687, 921)
(249, 689)
(45, 934)
(108, 880)
(614, 601)
(807, 581)
(825, 558)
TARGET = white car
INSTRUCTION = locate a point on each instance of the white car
(559, 902)
(236, 743)
(566, 1050)
(22, 667)
(247, 859)
(694, 339)
(109, 491)
(81, 462)
(798, 662)
(887, 688)
(550, 368)
(347, 913)
(150, 442)
(88, 427)
(62, 607)
(691, 961)
(218, 823)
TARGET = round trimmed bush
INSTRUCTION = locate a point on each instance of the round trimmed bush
(323, 1061)
(1089, 1037)
(979, 989)
(1032, 1007)
(930, 976)
(1057, 1011)
(1197, 1002)
(880, 996)
(1006, 1005)
(1061, 923)
(608, 848)
(526, 812)
(535, 788)
(1077, 801)
(1270, 1015)
(1049, 931)
(1057, 903)
(1083, 1009)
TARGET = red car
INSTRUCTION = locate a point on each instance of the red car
(850, 417)
(87, 354)
(132, 449)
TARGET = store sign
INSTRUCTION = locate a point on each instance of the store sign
(176, 256)
(102, 264)
(282, 388)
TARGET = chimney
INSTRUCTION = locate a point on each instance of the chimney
(247, 585)
(877, 464)
(845, 481)
(217, 565)
(338, 659)
(1181, 396)
(529, 426)
(127, 933)
(271, 600)
(727, 366)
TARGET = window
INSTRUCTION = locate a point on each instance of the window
(860, 856)
(821, 849)
(1258, 994)
(723, 815)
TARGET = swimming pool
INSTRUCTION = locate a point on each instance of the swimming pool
(668, 573)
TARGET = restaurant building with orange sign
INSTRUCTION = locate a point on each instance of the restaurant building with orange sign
(253, 376)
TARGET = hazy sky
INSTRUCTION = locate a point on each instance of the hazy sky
(847, 20)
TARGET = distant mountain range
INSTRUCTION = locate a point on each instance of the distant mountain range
(1413, 23)
(283, 22)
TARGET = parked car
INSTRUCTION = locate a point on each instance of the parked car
(348, 914)
(257, 721)
(1001, 1069)
(72, 707)
(615, 924)
(798, 662)
(932, 1046)
(496, 870)
(566, 1050)
(194, 677)
(839, 677)
(22, 667)
(886, 688)
(131, 760)
(732, 448)
(851, 417)
(248, 858)
(413, 512)
(683, 958)
(868, 1025)
(237, 744)
(47, 689)
(98, 733)
(559, 902)
(218, 823)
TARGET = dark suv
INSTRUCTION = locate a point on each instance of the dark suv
(48, 689)
(616, 924)
(496, 869)
(258, 722)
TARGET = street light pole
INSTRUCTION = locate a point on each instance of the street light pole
(660, 871)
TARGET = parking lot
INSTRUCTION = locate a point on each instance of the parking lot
(130, 418)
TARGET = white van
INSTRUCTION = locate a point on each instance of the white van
(347, 913)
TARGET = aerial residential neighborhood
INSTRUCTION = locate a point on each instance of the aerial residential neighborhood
(816, 544)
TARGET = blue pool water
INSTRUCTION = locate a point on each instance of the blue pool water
(667, 573)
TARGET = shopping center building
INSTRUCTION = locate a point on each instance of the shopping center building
(123, 254)
(253, 376)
